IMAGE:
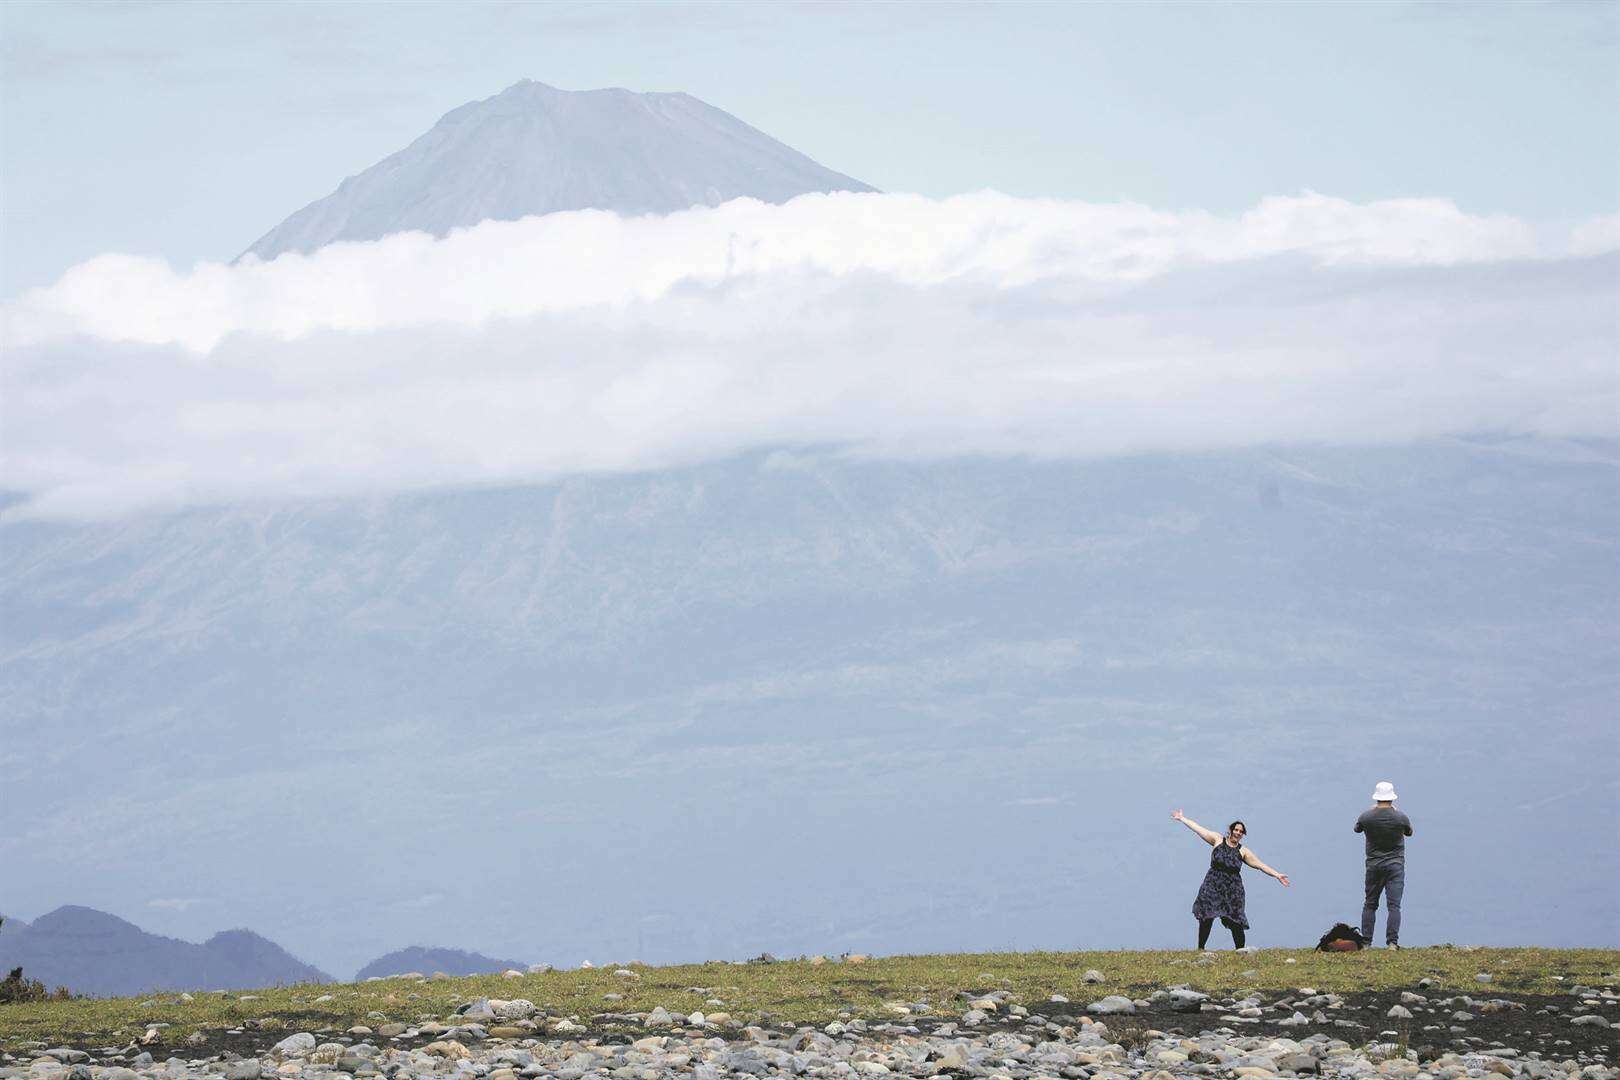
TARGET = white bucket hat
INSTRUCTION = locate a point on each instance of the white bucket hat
(1384, 792)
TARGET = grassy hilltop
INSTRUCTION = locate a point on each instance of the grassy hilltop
(803, 991)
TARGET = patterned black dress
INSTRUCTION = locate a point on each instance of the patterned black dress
(1221, 894)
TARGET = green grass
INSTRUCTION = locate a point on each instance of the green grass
(800, 992)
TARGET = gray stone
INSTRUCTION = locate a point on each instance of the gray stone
(1254, 1061)
(1187, 1001)
(67, 1055)
(1113, 1003)
(1399, 1012)
(295, 1045)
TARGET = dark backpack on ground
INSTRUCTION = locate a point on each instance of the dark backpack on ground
(1342, 938)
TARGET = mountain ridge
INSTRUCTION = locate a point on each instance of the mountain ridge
(521, 678)
(100, 954)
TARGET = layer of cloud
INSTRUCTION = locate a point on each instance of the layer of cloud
(876, 324)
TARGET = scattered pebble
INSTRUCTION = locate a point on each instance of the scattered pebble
(977, 1034)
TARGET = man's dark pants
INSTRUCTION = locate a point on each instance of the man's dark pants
(1391, 881)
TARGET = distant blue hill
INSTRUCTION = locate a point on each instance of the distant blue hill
(91, 952)
(428, 960)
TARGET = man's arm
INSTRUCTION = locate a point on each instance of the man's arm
(1406, 823)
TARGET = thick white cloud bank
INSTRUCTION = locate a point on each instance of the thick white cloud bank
(874, 324)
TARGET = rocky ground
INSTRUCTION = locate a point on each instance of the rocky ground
(1168, 1033)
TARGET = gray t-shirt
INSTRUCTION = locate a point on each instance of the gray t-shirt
(1387, 829)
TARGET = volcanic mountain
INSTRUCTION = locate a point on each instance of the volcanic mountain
(534, 149)
(799, 700)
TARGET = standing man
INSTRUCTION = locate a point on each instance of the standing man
(1386, 829)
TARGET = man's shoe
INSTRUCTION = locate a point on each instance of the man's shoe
(1394, 946)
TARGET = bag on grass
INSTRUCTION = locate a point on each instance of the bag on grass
(1342, 938)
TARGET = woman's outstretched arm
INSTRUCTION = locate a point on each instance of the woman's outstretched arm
(1254, 860)
(1210, 838)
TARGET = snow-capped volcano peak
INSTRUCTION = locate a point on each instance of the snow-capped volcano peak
(535, 149)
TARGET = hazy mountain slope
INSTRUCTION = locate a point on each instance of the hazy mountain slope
(534, 149)
(427, 960)
(612, 717)
(91, 952)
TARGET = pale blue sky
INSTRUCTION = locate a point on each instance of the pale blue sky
(186, 131)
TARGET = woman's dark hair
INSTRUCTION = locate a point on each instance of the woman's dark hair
(1235, 824)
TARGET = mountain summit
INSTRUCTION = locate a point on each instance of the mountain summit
(534, 149)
